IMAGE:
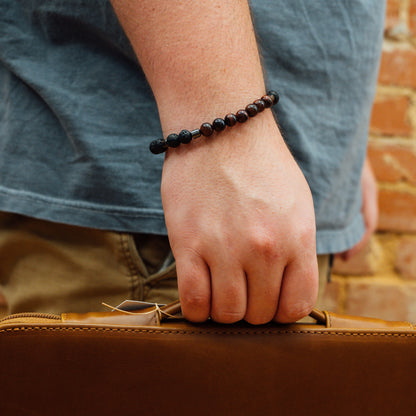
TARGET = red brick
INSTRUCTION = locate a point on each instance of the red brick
(363, 263)
(392, 14)
(406, 258)
(397, 211)
(390, 116)
(381, 300)
(412, 17)
(398, 68)
(393, 163)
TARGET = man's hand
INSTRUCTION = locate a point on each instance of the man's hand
(241, 225)
(369, 210)
(238, 210)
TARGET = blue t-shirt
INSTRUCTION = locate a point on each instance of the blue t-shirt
(77, 115)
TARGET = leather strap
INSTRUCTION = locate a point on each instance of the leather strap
(174, 308)
(329, 319)
(156, 315)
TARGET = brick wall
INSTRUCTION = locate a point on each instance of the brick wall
(381, 281)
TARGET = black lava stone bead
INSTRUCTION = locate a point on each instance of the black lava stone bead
(206, 129)
(173, 140)
(251, 110)
(185, 136)
(242, 116)
(219, 124)
(158, 146)
(274, 96)
(230, 120)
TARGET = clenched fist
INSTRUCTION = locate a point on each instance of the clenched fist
(241, 225)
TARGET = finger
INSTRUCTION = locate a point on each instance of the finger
(370, 216)
(369, 210)
(299, 290)
(369, 196)
(194, 286)
(348, 254)
(229, 291)
(263, 287)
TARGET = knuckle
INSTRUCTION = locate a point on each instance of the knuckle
(192, 250)
(193, 300)
(264, 243)
(258, 319)
(227, 316)
(230, 305)
(195, 305)
(306, 234)
(294, 312)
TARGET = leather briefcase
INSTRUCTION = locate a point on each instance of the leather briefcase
(150, 363)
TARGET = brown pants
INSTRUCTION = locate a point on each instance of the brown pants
(50, 267)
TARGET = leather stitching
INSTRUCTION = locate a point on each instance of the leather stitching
(193, 332)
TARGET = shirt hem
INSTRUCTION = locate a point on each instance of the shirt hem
(111, 218)
(337, 241)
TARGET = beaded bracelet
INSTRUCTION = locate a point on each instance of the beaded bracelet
(219, 124)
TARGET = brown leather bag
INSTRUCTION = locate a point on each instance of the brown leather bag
(148, 363)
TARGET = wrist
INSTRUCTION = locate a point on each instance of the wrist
(239, 144)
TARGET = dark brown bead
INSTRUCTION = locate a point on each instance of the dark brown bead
(242, 116)
(185, 136)
(158, 146)
(268, 101)
(260, 105)
(230, 120)
(251, 110)
(173, 140)
(218, 124)
(196, 133)
(274, 96)
(206, 129)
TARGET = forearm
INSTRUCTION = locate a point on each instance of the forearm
(238, 210)
(200, 58)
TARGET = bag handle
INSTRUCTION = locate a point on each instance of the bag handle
(174, 308)
(154, 315)
(328, 319)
